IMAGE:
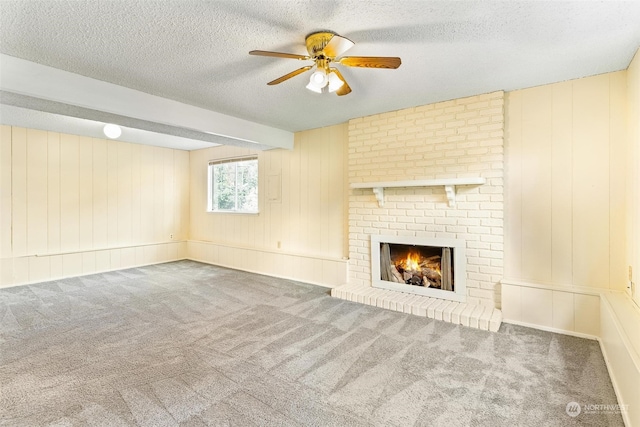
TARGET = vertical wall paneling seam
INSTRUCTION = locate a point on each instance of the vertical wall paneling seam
(520, 178)
(573, 157)
(174, 170)
(59, 179)
(551, 216)
(26, 189)
(11, 198)
(93, 213)
(552, 155)
(46, 207)
(611, 266)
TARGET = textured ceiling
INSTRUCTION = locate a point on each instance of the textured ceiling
(196, 52)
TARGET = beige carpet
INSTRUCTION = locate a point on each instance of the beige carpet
(188, 344)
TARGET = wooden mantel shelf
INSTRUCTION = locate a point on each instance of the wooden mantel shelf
(449, 185)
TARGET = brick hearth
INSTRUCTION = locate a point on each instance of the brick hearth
(474, 316)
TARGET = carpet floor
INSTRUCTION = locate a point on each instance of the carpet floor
(190, 344)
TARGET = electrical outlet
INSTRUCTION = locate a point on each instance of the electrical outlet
(171, 236)
(279, 244)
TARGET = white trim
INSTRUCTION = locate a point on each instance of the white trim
(614, 383)
(262, 273)
(560, 288)
(270, 251)
(235, 161)
(169, 242)
(459, 293)
(552, 329)
(625, 341)
(232, 159)
(55, 278)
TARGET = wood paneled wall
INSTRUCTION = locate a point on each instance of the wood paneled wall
(76, 205)
(302, 203)
(565, 175)
(566, 200)
(633, 173)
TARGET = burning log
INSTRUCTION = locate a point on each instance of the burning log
(433, 277)
(394, 275)
(415, 280)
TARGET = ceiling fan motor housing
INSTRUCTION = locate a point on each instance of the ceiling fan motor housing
(316, 42)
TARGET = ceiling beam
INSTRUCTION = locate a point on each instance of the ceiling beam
(61, 88)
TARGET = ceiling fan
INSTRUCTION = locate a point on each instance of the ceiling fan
(325, 49)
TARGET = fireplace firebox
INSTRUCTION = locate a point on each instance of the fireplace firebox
(426, 266)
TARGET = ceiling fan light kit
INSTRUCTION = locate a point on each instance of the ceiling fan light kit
(325, 48)
(319, 78)
(334, 82)
(320, 81)
(112, 131)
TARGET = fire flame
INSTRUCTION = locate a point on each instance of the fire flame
(412, 263)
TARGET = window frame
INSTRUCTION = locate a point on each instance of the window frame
(211, 185)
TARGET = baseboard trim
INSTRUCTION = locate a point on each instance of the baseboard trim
(584, 290)
(34, 269)
(268, 251)
(614, 383)
(633, 363)
(262, 273)
(551, 329)
(321, 270)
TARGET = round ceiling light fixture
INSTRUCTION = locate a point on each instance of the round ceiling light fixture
(112, 131)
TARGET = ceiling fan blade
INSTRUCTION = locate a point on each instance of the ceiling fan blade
(337, 46)
(371, 61)
(344, 89)
(278, 54)
(288, 76)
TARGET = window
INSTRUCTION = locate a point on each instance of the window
(233, 185)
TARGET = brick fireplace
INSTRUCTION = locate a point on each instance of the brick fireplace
(460, 139)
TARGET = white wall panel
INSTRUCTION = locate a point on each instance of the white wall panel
(125, 194)
(536, 182)
(136, 202)
(100, 194)
(561, 184)
(66, 200)
(85, 189)
(69, 194)
(37, 233)
(591, 181)
(5, 192)
(563, 311)
(632, 163)
(306, 217)
(565, 192)
(53, 196)
(309, 269)
(18, 203)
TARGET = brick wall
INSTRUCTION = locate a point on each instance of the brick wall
(452, 139)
